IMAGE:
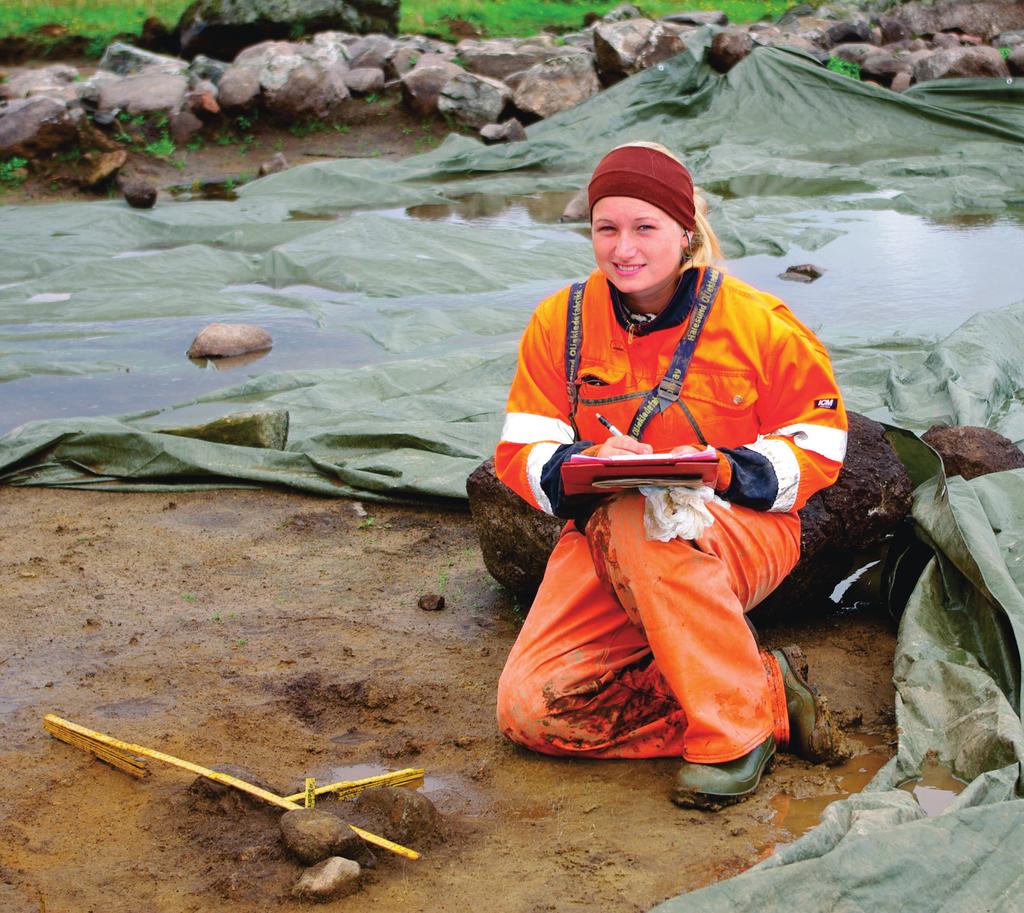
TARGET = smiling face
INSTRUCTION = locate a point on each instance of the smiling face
(639, 247)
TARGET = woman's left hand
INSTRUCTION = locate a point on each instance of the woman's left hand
(683, 449)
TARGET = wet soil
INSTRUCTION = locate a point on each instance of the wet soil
(282, 633)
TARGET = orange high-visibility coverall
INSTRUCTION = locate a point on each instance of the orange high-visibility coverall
(639, 648)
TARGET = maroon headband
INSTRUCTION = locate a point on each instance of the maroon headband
(648, 175)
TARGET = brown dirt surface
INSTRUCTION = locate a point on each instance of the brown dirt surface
(281, 633)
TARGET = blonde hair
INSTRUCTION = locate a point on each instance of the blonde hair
(704, 249)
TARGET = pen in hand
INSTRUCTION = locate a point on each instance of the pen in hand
(611, 428)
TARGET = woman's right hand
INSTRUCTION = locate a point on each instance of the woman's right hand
(620, 446)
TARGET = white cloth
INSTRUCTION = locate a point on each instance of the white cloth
(677, 512)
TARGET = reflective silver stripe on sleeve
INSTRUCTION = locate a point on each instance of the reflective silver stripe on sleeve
(829, 442)
(527, 428)
(787, 470)
(535, 463)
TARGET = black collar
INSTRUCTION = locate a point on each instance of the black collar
(675, 312)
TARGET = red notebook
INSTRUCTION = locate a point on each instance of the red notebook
(592, 475)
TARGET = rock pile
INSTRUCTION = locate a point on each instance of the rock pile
(480, 84)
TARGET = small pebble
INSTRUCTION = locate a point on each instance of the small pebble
(431, 603)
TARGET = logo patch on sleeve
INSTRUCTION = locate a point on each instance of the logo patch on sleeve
(826, 403)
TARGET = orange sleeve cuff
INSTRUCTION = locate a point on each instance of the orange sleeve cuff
(724, 473)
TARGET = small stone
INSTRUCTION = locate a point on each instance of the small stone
(183, 126)
(334, 877)
(103, 167)
(803, 272)
(277, 162)
(220, 340)
(312, 835)
(365, 80)
(402, 815)
(508, 131)
(577, 209)
(431, 603)
(139, 194)
(901, 82)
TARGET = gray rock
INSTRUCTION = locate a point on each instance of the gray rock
(508, 131)
(849, 31)
(277, 162)
(970, 452)
(1012, 39)
(402, 61)
(474, 100)
(421, 86)
(219, 340)
(557, 84)
(957, 62)
(894, 29)
(309, 92)
(44, 81)
(146, 93)
(273, 61)
(728, 48)
(183, 126)
(371, 51)
(36, 126)
(364, 80)
(207, 69)
(579, 40)
(221, 28)
(577, 209)
(854, 53)
(698, 17)
(986, 18)
(499, 59)
(622, 13)
(870, 499)
(328, 48)
(803, 272)
(202, 98)
(328, 880)
(945, 40)
(266, 430)
(127, 60)
(882, 67)
(312, 835)
(139, 193)
(402, 815)
(239, 87)
(901, 82)
(624, 48)
(1015, 62)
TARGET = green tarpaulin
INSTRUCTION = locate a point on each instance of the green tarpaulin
(410, 319)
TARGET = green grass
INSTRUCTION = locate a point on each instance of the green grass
(100, 20)
(844, 67)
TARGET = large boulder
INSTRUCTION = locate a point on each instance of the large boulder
(126, 60)
(501, 58)
(310, 91)
(986, 18)
(970, 452)
(221, 28)
(145, 93)
(728, 48)
(950, 63)
(869, 501)
(36, 126)
(883, 67)
(624, 48)
(55, 81)
(422, 85)
(557, 84)
(474, 100)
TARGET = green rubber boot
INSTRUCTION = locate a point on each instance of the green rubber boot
(813, 735)
(714, 786)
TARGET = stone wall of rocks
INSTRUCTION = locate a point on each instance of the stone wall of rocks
(494, 86)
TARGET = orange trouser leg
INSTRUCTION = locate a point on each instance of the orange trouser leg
(581, 678)
(690, 599)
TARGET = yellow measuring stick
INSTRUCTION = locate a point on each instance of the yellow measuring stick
(347, 788)
(108, 749)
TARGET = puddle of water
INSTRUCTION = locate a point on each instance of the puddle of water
(936, 788)
(545, 207)
(799, 815)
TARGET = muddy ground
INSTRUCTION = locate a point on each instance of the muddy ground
(282, 633)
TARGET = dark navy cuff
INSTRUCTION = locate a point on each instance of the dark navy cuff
(568, 507)
(754, 483)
